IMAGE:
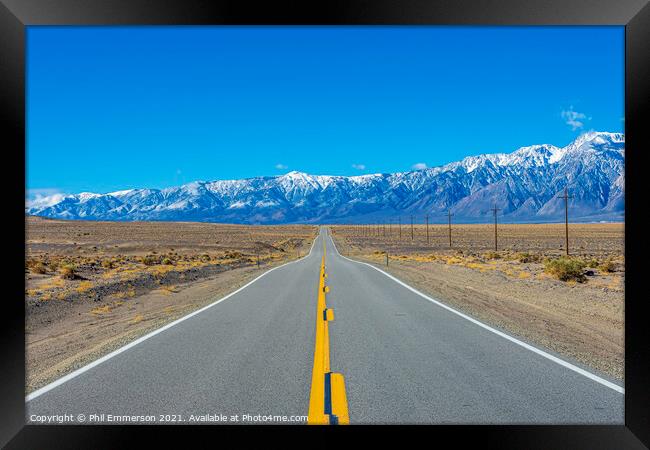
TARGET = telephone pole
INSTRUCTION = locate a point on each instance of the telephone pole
(427, 219)
(400, 227)
(411, 227)
(566, 198)
(449, 214)
(495, 210)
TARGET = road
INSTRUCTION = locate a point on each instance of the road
(404, 359)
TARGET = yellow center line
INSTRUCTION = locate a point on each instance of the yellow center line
(327, 400)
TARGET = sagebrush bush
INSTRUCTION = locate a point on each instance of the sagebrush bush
(167, 261)
(68, 271)
(150, 260)
(565, 268)
(527, 257)
(37, 267)
(492, 255)
(608, 266)
(107, 264)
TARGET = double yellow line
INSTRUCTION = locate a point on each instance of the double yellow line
(328, 403)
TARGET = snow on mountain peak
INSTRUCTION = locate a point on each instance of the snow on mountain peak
(524, 181)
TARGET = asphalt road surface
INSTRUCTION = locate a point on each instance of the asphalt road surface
(405, 359)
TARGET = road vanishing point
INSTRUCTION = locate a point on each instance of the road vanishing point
(328, 340)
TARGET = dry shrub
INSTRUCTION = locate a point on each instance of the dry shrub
(527, 257)
(608, 266)
(492, 255)
(38, 267)
(566, 269)
(232, 255)
(68, 271)
(150, 260)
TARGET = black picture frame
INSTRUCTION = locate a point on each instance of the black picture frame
(15, 15)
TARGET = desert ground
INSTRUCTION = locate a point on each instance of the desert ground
(91, 287)
(573, 305)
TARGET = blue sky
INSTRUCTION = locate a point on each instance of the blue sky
(113, 108)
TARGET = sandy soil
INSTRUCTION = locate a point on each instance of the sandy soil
(131, 278)
(583, 321)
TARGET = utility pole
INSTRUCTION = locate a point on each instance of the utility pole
(449, 214)
(495, 210)
(400, 227)
(411, 227)
(427, 218)
(566, 198)
(383, 224)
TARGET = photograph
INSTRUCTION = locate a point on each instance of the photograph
(325, 225)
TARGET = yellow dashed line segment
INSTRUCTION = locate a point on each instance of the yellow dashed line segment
(327, 401)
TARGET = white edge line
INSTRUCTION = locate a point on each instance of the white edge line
(555, 359)
(104, 358)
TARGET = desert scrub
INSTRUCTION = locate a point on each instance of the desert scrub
(68, 271)
(492, 255)
(527, 257)
(84, 286)
(607, 266)
(167, 261)
(566, 269)
(230, 254)
(37, 267)
(150, 260)
(108, 264)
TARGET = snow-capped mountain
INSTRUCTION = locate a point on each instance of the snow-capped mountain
(524, 184)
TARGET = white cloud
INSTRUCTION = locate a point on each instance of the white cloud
(419, 166)
(574, 118)
(359, 166)
(42, 198)
(281, 166)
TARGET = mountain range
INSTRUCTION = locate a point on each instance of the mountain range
(525, 186)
